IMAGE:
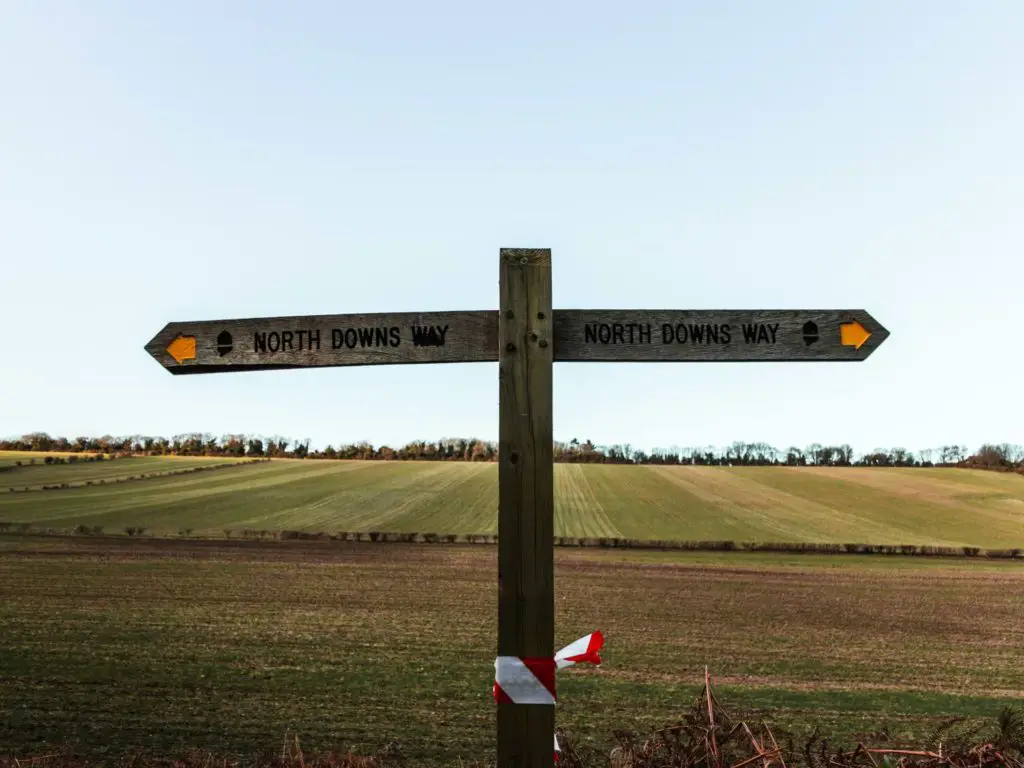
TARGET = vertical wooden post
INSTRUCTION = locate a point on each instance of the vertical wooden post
(526, 594)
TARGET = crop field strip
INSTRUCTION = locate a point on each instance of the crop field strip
(38, 476)
(9, 458)
(949, 507)
(163, 644)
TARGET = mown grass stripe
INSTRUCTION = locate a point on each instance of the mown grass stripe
(910, 506)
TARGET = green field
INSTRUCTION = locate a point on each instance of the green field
(117, 644)
(8, 458)
(952, 507)
(41, 474)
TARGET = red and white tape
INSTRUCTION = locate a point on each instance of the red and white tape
(524, 681)
(583, 650)
(532, 681)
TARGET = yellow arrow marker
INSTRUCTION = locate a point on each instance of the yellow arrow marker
(853, 334)
(182, 348)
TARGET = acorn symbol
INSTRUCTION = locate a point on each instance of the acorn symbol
(224, 343)
(810, 332)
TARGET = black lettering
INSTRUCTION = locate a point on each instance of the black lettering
(590, 333)
(351, 338)
(286, 340)
(713, 333)
(631, 327)
(429, 335)
(336, 338)
(396, 337)
(366, 337)
(421, 336)
(667, 336)
(726, 334)
(299, 334)
(273, 341)
(697, 333)
(681, 335)
(381, 339)
(259, 342)
(604, 333)
(757, 333)
(314, 338)
(645, 331)
(617, 330)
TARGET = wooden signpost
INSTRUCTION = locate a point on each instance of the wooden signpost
(524, 336)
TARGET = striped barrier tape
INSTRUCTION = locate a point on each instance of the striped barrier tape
(532, 681)
(524, 681)
(584, 649)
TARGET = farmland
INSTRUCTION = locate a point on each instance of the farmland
(39, 475)
(10, 458)
(950, 507)
(163, 643)
(115, 644)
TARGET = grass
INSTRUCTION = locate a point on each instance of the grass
(40, 474)
(11, 458)
(122, 644)
(951, 507)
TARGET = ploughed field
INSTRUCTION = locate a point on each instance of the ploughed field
(946, 507)
(115, 644)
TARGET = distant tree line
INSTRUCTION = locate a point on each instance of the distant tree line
(1004, 456)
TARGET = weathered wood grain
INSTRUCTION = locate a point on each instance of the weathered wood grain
(333, 340)
(526, 495)
(728, 335)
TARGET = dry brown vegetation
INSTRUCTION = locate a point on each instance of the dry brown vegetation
(708, 736)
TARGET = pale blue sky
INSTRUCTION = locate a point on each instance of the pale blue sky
(207, 160)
